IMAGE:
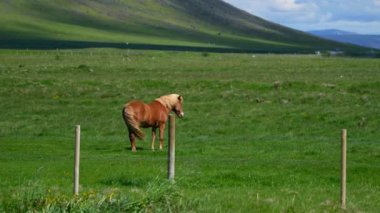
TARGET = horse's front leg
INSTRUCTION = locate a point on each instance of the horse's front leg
(162, 128)
(153, 136)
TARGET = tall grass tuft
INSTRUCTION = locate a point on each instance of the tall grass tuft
(159, 196)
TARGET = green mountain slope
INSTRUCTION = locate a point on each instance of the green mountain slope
(211, 23)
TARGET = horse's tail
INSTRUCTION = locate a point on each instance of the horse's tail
(132, 124)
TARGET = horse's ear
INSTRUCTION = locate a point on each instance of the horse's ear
(180, 98)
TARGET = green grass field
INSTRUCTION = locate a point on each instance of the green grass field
(261, 132)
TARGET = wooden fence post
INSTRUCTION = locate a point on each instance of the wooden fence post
(76, 160)
(343, 169)
(171, 149)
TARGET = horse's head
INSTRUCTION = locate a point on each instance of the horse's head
(172, 102)
(177, 107)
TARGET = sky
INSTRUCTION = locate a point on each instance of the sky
(359, 16)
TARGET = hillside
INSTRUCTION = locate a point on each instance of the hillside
(191, 23)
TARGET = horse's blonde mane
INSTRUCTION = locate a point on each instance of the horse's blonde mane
(168, 100)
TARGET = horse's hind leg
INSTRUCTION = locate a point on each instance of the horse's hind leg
(132, 138)
(153, 136)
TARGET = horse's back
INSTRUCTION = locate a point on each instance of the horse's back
(138, 108)
(147, 115)
(135, 104)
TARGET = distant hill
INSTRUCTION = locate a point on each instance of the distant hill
(168, 24)
(331, 32)
(371, 41)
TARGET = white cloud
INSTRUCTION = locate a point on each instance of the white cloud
(280, 11)
(286, 5)
(362, 16)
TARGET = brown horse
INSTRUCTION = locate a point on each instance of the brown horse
(137, 114)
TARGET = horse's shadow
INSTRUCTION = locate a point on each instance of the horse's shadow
(144, 149)
(137, 148)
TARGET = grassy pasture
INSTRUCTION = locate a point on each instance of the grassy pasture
(261, 132)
